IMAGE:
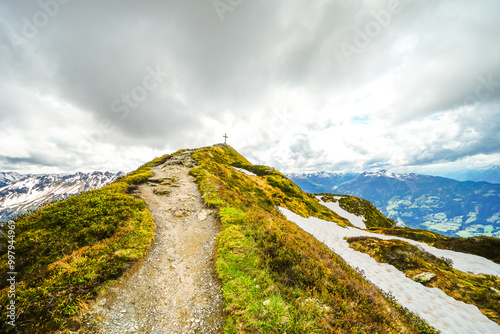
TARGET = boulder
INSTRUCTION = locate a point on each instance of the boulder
(423, 277)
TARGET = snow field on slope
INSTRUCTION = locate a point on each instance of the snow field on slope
(244, 171)
(441, 311)
(335, 207)
(461, 261)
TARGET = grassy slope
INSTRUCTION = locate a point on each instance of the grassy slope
(469, 288)
(361, 207)
(277, 278)
(67, 251)
(487, 247)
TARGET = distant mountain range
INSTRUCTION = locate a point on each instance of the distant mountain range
(447, 206)
(20, 193)
(491, 175)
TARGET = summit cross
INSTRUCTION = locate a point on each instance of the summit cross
(225, 137)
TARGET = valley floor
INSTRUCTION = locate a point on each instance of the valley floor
(175, 289)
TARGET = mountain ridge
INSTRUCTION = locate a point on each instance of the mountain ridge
(490, 175)
(24, 192)
(276, 277)
(455, 208)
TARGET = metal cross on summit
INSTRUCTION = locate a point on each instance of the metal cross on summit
(225, 137)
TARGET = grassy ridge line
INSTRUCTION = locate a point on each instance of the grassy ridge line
(361, 207)
(277, 278)
(66, 252)
(487, 247)
(469, 288)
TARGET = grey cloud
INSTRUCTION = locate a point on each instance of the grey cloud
(93, 53)
(36, 160)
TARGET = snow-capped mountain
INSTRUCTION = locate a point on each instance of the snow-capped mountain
(320, 182)
(9, 177)
(20, 193)
(447, 206)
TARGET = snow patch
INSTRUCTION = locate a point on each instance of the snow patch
(433, 305)
(244, 171)
(352, 218)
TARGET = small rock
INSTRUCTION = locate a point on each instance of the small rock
(161, 191)
(182, 213)
(266, 302)
(423, 277)
(494, 290)
(202, 215)
(123, 311)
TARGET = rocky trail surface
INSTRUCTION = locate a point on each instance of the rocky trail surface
(175, 289)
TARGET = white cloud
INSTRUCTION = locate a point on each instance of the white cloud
(269, 75)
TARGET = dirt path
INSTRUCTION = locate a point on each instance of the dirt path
(175, 289)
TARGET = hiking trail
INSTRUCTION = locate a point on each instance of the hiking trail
(175, 288)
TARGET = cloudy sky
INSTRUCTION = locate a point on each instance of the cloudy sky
(409, 86)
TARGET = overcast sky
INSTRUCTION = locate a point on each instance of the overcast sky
(409, 86)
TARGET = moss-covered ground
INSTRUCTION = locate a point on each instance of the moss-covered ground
(277, 278)
(361, 207)
(466, 287)
(487, 247)
(67, 251)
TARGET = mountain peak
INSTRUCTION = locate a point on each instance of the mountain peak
(23, 192)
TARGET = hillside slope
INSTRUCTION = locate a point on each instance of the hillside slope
(63, 254)
(373, 218)
(275, 277)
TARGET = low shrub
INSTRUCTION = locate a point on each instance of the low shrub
(69, 250)
(277, 278)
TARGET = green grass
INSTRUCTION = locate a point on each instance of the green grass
(466, 287)
(487, 247)
(277, 278)
(361, 207)
(66, 252)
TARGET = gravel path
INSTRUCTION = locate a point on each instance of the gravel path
(175, 289)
